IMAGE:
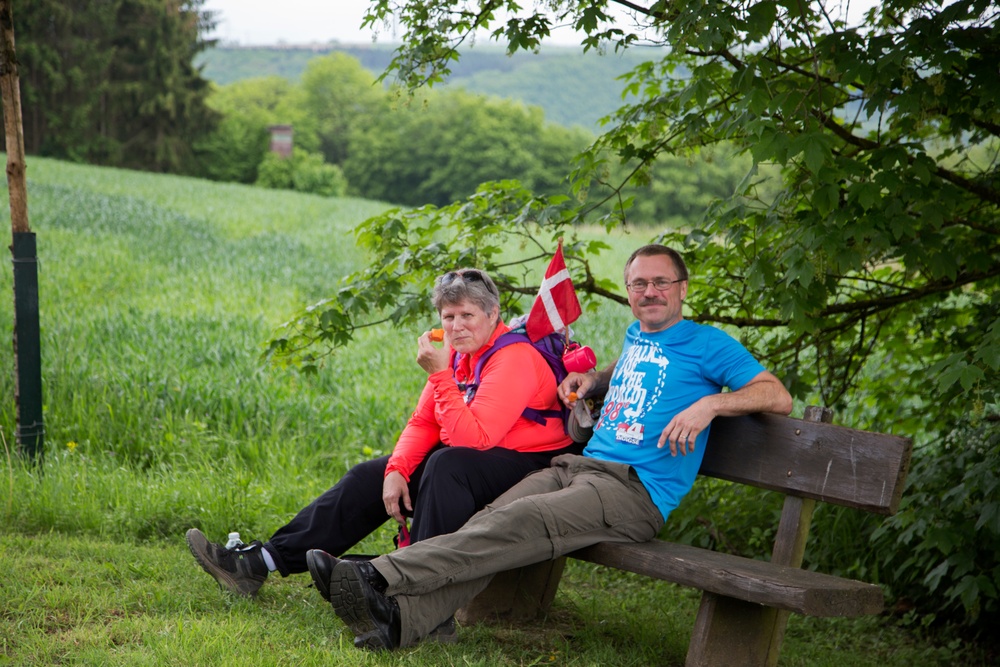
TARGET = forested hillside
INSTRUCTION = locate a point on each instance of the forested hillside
(572, 87)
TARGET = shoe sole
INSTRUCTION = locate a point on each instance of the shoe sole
(198, 544)
(347, 595)
(322, 586)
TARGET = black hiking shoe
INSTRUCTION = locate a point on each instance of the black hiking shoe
(354, 591)
(240, 570)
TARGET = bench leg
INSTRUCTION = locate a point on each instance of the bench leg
(516, 595)
(732, 633)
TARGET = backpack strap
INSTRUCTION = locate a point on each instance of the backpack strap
(502, 341)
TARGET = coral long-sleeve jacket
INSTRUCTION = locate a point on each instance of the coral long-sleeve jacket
(513, 378)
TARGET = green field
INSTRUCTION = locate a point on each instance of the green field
(157, 295)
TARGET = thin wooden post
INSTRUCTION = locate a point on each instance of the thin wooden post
(27, 346)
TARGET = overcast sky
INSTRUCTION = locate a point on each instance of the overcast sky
(290, 21)
(259, 22)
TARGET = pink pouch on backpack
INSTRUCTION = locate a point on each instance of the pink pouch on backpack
(579, 359)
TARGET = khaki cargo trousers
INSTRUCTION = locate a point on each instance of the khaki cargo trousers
(576, 502)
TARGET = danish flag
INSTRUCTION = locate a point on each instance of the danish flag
(556, 305)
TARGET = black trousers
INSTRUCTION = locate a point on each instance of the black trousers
(451, 485)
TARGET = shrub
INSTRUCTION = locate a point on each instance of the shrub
(942, 550)
(304, 172)
(311, 174)
(234, 150)
(726, 517)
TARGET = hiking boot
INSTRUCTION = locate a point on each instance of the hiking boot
(356, 592)
(241, 570)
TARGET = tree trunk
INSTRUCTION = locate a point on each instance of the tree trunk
(11, 90)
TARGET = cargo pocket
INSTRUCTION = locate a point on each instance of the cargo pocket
(624, 516)
(614, 513)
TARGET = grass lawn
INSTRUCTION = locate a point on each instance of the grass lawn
(75, 600)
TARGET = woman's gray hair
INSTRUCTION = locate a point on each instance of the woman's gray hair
(470, 285)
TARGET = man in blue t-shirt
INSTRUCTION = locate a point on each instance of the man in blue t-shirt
(660, 398)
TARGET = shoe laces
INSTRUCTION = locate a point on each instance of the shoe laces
(247, 548)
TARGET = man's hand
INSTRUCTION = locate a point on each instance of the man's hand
(584, 384)
(577, 384)
(764, 393)
(431, 357)
(683, 429)
(396, 496)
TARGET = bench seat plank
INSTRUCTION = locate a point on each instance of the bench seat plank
(802, 591)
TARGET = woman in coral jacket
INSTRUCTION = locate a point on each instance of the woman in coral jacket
(454, 456)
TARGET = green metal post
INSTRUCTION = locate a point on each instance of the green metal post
(27, 346)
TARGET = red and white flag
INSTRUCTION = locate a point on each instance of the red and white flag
(556, 305)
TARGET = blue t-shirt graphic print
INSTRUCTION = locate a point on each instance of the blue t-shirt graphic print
(629, 399)
(657, 376)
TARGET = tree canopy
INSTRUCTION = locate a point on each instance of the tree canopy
(879, 243)
(114, 82)
(442, 148)
(435, 148)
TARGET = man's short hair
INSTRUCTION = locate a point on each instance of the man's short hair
(656, 249)
(470, 285)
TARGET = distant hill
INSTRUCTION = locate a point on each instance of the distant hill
(572, 87)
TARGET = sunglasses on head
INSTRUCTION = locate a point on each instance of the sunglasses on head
(471, 275)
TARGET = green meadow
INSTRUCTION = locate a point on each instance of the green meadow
(157, 296)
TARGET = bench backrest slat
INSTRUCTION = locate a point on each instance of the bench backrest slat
(810, 459)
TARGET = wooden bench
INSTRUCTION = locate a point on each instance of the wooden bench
(746, 602)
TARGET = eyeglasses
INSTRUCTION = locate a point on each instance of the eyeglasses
(659, 284)
(471, 275)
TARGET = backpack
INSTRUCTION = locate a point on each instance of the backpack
(551, 347)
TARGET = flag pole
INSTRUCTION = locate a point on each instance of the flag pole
(566, 327)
